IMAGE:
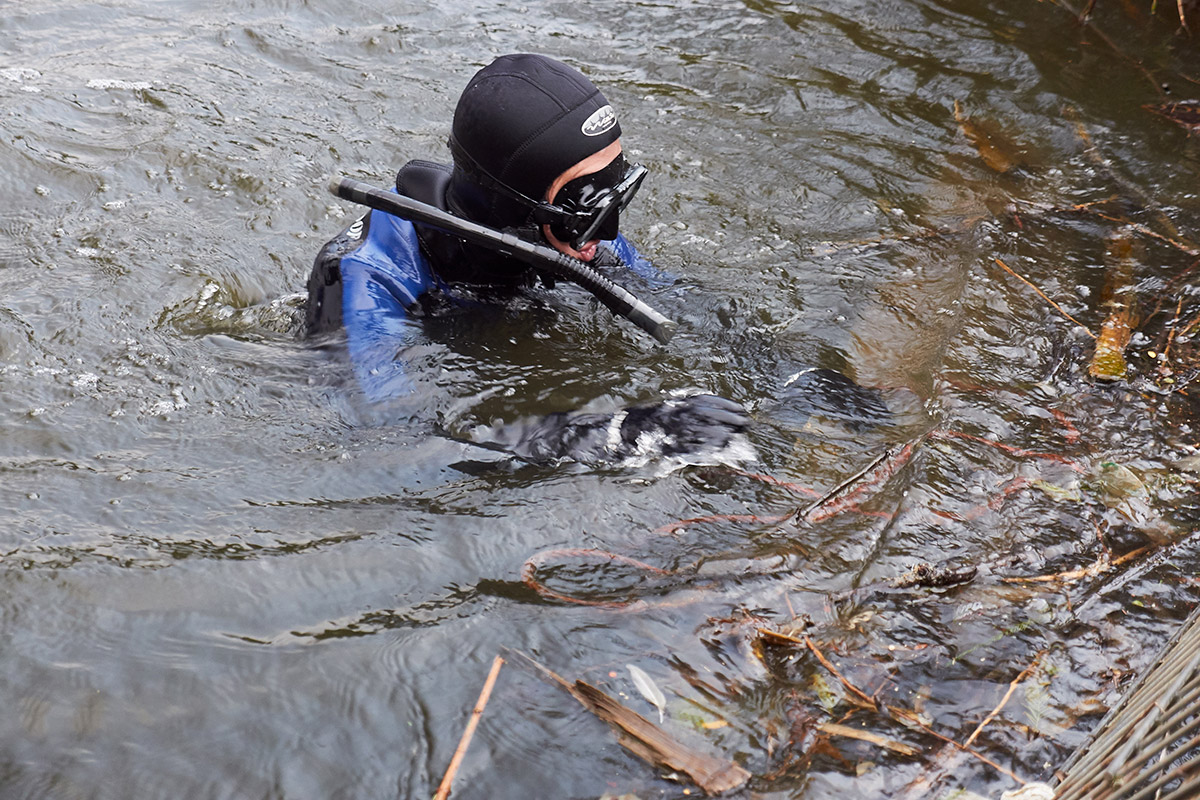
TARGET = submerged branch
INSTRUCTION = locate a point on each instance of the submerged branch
(1099, 34)
(847, 494)
(1012, 687)
(1031, 285)
(900, 715)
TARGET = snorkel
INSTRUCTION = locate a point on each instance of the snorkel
(616, 298)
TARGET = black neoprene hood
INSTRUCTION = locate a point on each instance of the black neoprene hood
(523, 120)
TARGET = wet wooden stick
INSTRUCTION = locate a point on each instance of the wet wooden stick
(1098, 567)
(845, 495)
(1012, 687)
(1188, 328)
(648, 741)
(859, 693)
(444, 789)
(1153, 234)
(908, 718)
(1166, 351)
(1057, 307)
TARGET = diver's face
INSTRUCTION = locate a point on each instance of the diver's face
(593, 163)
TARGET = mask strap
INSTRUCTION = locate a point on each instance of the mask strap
(488, 181)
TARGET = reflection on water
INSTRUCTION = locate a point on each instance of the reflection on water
(229, 576)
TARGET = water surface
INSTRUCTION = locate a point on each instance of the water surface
(227, 576)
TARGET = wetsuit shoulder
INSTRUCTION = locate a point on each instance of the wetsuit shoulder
(382, 280)
(323, 310)
(377, 251)
(425, 181)
(386, 272)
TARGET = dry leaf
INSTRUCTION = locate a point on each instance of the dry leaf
(996, 150)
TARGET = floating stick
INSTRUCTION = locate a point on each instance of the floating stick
(443, 791)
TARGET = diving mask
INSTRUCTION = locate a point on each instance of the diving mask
(589, 207)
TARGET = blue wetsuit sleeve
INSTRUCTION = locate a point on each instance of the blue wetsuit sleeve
(381, 281)
(638, 264)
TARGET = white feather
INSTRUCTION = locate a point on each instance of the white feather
(648, 689)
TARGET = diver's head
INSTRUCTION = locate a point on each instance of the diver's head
(537, 147)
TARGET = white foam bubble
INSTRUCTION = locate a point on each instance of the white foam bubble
(112, 83)
(19, 74)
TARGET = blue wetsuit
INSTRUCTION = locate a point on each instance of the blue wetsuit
(375, 275)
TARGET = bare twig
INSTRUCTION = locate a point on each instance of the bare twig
(1012, 687)
(1030, 284)
(1166, 351)
(848, 732)
(1171, 286)
(854, 690)
(845, 494)
(1098, 567)
(1145, 231)
(908, 718)
(1155, 82)
(444, 789)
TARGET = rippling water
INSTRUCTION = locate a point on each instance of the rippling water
(227, 576)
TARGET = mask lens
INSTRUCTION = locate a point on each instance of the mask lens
(591, 204)
(582, 192)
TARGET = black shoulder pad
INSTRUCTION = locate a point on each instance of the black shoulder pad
(425, 181)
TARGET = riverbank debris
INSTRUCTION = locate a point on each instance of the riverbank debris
(933, 576)
(1181, 112)
(651, 743)
(857, 697)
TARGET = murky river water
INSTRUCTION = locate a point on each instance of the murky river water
(226, 576)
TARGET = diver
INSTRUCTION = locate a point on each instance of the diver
(536, 152)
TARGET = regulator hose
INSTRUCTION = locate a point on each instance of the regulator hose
(618, 299)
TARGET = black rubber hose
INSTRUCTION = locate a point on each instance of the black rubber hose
(618, 299)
